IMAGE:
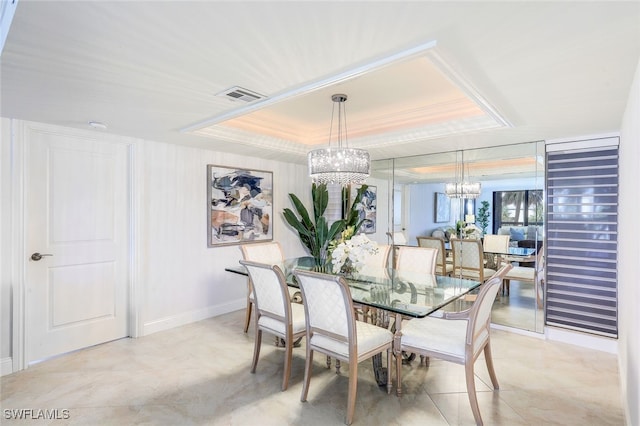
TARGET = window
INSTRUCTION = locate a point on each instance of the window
(517, 208)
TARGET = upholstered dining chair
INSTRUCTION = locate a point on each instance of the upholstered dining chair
(529, 274)
(417, 259)
(442, 267)
(468, 260)
(458, 337)
(377, 264)
(275, 314)
(495, 247)
(269, 253)
(333, 330)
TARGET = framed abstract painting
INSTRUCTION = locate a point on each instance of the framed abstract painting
(239, 206)
(367, 208)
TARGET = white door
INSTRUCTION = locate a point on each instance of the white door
(77, 214)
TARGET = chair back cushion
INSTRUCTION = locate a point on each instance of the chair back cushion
(270, 253)
(496, 244)
(417, 259)
(378, 261)
(480, 313)
(269, 287)
(436, 243)
(468, 257)
(327, 302)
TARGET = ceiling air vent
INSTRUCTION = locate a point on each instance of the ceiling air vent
(239, 94)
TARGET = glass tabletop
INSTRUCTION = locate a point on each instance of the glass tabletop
(403, 292)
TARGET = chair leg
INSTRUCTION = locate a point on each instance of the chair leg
(256, 349)
(353, 387)
(389, 371)
(398, 356)
(471, 391)
(288, 355)
(307, 374)
(489, 359)
(247, 317)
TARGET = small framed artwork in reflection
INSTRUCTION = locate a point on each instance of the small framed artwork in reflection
(442, 207)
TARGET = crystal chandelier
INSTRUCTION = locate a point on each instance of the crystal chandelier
(462, 188)
(339, 164)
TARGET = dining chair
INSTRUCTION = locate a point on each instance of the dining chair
(377, 264)
(275, 314)
(529, 274)
(458, 337)
(417, 259)
(333, 330)
(496, 243)
(442, 267)
(495, 247)
(468, 260)
(270, 253)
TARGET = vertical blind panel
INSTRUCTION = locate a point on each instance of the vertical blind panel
(582, 232)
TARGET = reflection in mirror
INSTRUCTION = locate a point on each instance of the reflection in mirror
(512, 183)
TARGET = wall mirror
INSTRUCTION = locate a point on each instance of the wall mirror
(512, 183)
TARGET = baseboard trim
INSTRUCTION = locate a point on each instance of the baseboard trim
(6, 366)
(585, 340)
(513, 330)
(576, 338)
(168, 323)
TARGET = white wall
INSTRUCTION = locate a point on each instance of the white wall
(421, 217)
(180, 279)
(184, 280)
(5, 245)
(629, 256)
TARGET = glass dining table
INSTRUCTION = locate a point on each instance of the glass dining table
(390, 294)
(407, 293)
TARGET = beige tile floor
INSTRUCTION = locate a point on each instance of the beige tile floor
(198, 374)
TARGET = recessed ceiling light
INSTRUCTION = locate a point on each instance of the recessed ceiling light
(98, 125)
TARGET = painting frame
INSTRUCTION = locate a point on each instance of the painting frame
(367, 208)
(239, 205)
(442, 210)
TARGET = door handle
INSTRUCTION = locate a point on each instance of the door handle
(37, 256)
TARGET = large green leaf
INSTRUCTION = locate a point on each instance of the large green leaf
(320, 196)
(302, 211)
(336, 228)
(321, 232)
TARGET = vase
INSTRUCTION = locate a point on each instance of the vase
(320, 263)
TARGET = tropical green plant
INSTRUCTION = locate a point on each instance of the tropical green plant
(314, 234)
(483, 216)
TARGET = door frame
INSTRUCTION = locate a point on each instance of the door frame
(20, 132)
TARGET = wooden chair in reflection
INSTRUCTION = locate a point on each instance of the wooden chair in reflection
(442, 267)
(495, 248)
(468, 260)
(529, 274)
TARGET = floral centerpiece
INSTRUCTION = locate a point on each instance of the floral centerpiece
(471, 231)
(468, 231)
(348, 256)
